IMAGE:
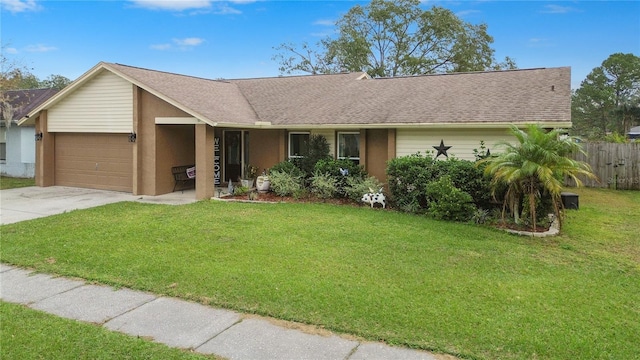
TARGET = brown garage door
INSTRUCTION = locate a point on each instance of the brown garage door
(96, 161)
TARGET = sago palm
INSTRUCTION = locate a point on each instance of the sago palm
(537, 161)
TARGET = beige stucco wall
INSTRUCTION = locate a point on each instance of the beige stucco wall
(158, 151)
(175, 146)
(377, 153)
(45, 153)
(266, 148)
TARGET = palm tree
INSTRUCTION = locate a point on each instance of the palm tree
(538, 161)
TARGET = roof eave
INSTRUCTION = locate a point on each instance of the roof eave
(463, 125)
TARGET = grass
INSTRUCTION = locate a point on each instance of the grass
(11, 182)
(453, 288)
(31, 334)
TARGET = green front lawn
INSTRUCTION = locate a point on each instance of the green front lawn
(11, 182)
(453, 288)
(31, 334)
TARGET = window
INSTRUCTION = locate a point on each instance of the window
(349, 146)
(298, 144)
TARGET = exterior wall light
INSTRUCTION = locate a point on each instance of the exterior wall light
(132, 137)
(38, 136)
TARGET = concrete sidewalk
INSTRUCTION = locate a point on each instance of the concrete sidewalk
(187, 325)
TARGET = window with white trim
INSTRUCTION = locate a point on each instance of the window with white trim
(298, 144)
(349, 145)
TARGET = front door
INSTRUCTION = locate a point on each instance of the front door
(232, 155)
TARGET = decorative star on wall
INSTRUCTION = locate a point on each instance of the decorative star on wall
(442, 150)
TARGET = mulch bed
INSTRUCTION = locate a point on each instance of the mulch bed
(272, 197)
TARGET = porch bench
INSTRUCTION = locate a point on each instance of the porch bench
(182, 177)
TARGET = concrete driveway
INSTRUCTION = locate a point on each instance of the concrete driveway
(35, 202)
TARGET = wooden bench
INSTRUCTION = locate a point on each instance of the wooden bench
(184, 176)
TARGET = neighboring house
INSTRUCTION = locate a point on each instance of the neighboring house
(17, 144)
(122, 128)
(634, 133)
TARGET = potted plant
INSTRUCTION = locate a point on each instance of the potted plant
(250, 174)
(263, 184)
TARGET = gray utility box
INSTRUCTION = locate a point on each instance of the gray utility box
(570, 200)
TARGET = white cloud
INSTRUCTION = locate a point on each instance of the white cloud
(161, 47)
(557, 9)
(11, 50)
(324, 22)
(16, 6)
(465, 13)
(40, 48)
(173, 5)
(197, 6)
(193, 41)
(539, 43)
(223, 9)
(179, 44)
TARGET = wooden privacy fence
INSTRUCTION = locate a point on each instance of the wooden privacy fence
(616, 166)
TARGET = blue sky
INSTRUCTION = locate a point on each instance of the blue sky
(235, 39)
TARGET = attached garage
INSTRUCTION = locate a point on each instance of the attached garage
(97, 161)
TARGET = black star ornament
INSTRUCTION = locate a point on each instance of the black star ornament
(442, 150)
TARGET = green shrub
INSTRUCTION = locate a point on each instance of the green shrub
(446, 202)
(481, 216)
(317, 150)
(333, 167)
(467, 176)
(240, 190)
(323, 185)
(284, 183)
(408, 177)
(287, 167)
(356, 187)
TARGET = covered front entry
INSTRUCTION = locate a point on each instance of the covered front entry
(93, 160)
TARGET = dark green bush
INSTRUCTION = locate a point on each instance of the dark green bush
(286, 167)
(408, 178)
(317, 150)
(333, 166)
(447, 202)
(469, 177)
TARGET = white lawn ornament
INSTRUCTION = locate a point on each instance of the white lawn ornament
(374, 197)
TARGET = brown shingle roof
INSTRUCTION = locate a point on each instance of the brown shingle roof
(504, 97)
(500, 97)
(23, 101)
(218, 101)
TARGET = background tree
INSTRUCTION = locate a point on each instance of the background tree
(394, 38)
(16, 76)
(53, 81)
(608, 99)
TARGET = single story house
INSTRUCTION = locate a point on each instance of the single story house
(17, 143)
(123, 128)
